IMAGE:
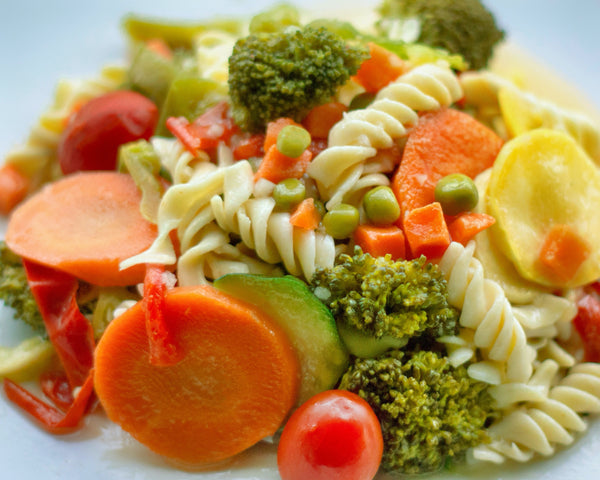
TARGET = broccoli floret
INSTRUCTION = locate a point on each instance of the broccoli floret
(385, 300)
(15, 292)
(430, 412)
(285, 74)
(464, 27)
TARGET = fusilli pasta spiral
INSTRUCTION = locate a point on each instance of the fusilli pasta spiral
(485, 310)
(340, 169)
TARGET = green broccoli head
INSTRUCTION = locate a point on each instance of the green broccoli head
(430, 412)
(382, 298)
(15, 291)
(285, 74)
(464, 27)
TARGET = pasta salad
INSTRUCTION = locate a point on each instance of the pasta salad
(258, 224)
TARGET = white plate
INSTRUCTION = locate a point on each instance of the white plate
(42, 41)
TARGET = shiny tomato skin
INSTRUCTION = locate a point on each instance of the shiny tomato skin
(95, 132)
(334, 435)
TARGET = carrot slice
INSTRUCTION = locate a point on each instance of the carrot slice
(14, 186)
(322, 118)
(84, 224)
(426, 231)
(235, 385)
(466, 225)
(276, 166)
(382, 68)
(379, 241)
(306, 215)
(443, 142)
(563, 252)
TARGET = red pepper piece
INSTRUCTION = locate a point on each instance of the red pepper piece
(69, 331)
(207, 131)
(250, 147)
(55, 385)
(52, 419)
(587, 323)
(163, 348)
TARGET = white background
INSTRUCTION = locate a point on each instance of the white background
(41, 41)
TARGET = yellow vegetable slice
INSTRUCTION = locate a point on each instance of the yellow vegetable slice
(497, 266)
(541, 179)
(26, 360)
(519, 115)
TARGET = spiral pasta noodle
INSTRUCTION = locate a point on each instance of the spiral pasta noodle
(542, 425)
(496, 333)
(340, 169)
(36, 157)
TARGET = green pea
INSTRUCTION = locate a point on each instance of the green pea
(341, 221)
(381, 206)
(289, 192)
(293, 140)
(456, 193)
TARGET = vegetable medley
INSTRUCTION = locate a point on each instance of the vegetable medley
(360, 244)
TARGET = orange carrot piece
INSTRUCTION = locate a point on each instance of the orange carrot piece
(379, 241)
(466, 225)
(273, 129)
(382, 68)
(306, 215)
(563, 252)
(14, 186)
(159, 46)
(235, 385)
(322, 118)
(276, 166)
(84, 224)
(426, 231)
(250, 147)
(443, 142)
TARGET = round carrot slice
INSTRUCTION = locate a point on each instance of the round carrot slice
(84, 224)
(235, 385)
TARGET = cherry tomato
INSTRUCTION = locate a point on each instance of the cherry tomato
(93, 135)
(334, 435)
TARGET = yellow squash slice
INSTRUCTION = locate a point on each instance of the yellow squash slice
(542, 179)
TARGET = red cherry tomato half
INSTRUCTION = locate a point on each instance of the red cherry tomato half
(334, 435)
(93, 135)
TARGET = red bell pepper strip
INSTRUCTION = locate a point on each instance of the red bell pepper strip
(587, 323)
(69, 331)
(55, 386)
(207, 131)
(52, 419)
(163, 348)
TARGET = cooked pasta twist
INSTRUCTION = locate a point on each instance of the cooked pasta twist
(213, 49)
(542, 425)
(481, 89)
(340, 169)
(36, 157)
(497, 334)
(269, 233)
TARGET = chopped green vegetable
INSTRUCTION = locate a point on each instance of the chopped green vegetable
(151, 74)
(285, 74)
(389, 301)
(456, 193)
(381, 206)
(293, 140)
(275, 19)
(15, 291)
(341, 221)
(289, 192)
(463, 27)
(430, 412)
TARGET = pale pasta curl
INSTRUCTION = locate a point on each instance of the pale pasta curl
(340, 169)
(488, 318)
